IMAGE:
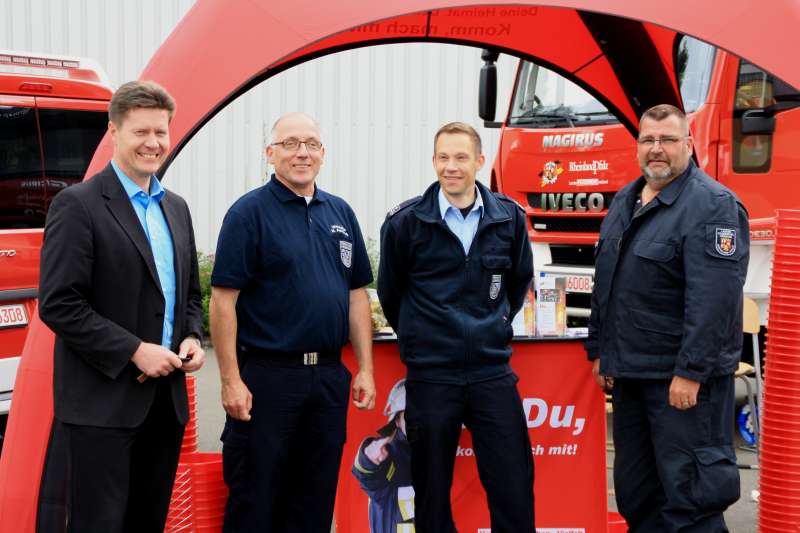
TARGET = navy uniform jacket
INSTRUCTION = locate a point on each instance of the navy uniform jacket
(452, 311)
(667, 296)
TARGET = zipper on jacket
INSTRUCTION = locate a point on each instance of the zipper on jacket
(467, 340)
(464, 332)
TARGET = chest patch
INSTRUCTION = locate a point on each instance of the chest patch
(494, 288)
(725, 241)
(346, 253)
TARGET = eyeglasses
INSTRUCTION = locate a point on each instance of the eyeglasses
(293, 145)
(666, 142)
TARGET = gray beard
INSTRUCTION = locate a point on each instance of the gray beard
(657, 179)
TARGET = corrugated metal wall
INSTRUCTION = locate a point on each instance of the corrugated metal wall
(379, 107)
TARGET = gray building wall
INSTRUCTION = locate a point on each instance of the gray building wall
(378, 107)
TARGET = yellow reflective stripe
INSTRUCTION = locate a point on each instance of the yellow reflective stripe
(405, 502)
(358, 466)
(390, 473)
(405, 528)
(361, 468)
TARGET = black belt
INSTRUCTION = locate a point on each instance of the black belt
(297, 358)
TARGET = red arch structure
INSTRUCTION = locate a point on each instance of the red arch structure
(619, 50)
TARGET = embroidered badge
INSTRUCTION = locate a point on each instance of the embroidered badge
(338, 228)
(725, 241)
(494, 288)
(346, 253)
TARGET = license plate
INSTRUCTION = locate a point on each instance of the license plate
(582, 284)
(13, 316)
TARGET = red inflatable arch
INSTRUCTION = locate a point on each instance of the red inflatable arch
(619, 50)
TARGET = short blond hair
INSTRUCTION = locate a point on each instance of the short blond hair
(463, 128)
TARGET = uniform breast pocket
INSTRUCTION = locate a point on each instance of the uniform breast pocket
(494, 271)
(659, 262)
(660, 252)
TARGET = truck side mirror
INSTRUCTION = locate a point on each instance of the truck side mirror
(758, 122)
(487, 91)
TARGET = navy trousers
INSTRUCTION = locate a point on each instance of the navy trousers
(282, 466)
(492, 412)
(674, 471)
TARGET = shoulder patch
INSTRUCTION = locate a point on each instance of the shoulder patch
(722, 241)
(725, 240)
(399, 207)
(501, 196)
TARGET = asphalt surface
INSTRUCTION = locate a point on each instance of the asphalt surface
(742, 517)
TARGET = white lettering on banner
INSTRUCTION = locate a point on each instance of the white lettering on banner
(556, 419)
(564, 449)
(464, 452)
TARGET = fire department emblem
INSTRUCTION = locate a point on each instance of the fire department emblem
(494, 288)
(346, 253)
(550, 172)
(725, 241)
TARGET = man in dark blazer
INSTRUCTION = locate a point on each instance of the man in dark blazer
(119, 287)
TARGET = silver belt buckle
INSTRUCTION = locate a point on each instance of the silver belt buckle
(310, 358)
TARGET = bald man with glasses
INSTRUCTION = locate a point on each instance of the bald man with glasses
(288, 291)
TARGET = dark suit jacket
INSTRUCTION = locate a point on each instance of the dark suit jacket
(99, 292)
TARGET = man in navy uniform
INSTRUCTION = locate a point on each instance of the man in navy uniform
(455, 267)
(665, 333)
(287, 294)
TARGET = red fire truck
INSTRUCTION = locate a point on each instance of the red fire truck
(563, 155)
(53, 113)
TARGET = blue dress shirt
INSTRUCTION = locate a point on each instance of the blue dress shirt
(463, 228)
(148, 209)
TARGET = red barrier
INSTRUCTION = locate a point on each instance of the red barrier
(566, 416)
(780, 438)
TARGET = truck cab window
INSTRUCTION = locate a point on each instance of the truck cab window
(755, 90)
(69, 137)
(21, 178)
(544, 99)
(694, 64)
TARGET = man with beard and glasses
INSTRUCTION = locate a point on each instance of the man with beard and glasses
(665, 333)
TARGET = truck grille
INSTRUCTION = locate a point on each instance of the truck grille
(571, 254)
(579, 299)
(567, 224)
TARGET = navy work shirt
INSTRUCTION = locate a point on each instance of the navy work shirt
(295, 264)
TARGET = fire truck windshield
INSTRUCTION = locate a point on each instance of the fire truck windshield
(544, 99)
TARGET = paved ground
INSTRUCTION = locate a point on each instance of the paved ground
(741, 517)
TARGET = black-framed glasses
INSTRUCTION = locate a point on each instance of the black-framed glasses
(292, 144)
(666, 142)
